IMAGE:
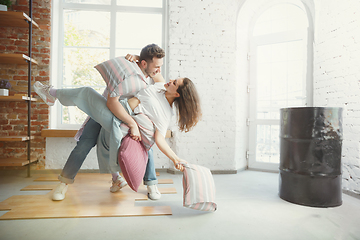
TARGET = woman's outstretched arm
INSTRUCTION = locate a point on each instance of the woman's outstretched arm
(165, 148)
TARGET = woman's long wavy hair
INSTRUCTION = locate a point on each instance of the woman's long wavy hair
(188, 106)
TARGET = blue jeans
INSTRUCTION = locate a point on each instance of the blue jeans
(150, 173)
(90, 135)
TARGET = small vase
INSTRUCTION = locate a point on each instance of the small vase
(3, 7)
(4, 92)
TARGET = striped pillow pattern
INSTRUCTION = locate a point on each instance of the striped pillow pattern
(122, 77)
(199, 188)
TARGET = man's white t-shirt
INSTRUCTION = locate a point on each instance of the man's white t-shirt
(154, 104)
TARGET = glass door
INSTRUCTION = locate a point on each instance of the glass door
(280, 83)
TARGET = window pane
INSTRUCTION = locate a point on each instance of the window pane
(86, 28)
(103, 2)
(78, 69)
(124, 51)
(134, 34)
(281, 18)
(279, 78)
(72, 115)
(141, 3)
(267, 144)
(88, 42)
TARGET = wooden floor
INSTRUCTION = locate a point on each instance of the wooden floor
(89, 196)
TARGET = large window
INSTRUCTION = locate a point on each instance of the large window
(88, 32)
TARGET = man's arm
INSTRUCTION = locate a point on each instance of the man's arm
(119, 111)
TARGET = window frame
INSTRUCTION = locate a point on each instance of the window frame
(57, 43)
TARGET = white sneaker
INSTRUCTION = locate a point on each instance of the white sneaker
(43, 91)
(153, 192)
(118, 184)
(59, 193)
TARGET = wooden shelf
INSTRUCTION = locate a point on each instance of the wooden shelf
(58, 133)
(15, 162)
(15, 138)
(15, 19)
(19, 20)
(16, 98)
(15, 58)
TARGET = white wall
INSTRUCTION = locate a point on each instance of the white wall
(202, 46)
(58, 151)
(337, 75)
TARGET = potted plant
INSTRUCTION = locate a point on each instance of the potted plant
(5, 4)
(4, 87)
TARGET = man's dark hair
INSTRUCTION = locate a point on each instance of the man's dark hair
(150, 51)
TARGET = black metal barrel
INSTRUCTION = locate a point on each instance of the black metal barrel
(310, 156)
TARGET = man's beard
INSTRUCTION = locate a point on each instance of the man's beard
(148, 73)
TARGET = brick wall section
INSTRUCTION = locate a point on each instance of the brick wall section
(13, 115)
(337, 76)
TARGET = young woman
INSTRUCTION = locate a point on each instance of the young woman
(151, 108)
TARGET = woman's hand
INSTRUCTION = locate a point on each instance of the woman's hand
(179, 164)
(132, 58)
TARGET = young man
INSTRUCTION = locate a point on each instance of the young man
(124, 79)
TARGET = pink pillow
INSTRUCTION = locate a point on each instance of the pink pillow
(132, 159)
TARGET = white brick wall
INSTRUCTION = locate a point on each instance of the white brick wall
(58, 151)
(202, 46)
(337, 75)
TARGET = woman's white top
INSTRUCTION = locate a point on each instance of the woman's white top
(154, 104)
